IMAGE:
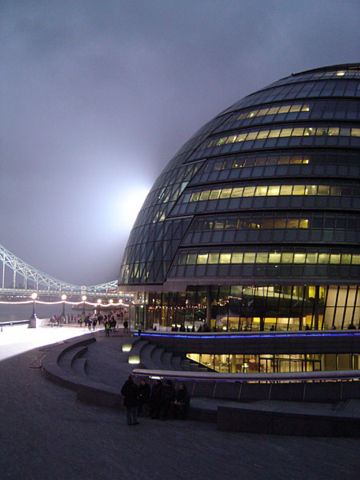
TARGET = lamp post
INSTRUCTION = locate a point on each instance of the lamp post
(63, 298)
(32, 323)
(83, 298)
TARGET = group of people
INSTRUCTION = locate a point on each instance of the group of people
(160, 401)
(109, 321)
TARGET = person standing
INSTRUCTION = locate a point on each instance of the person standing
(130, 393)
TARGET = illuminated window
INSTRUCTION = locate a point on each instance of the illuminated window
(355, 132)
(335, 258)
(249, 191)
(280, 223)
(204, 195)
(225, 257)
(191, 259)
(225, 193)
(286, 189)
(261, 191)
(355, 259)
(251, 136)
(202, 258)
(299, 190)
(274, 133)
(287, 258)
(249, 257)
(304, 223)
(298, 132)
(263, 134)
(323, 190)
(299, 257)
(215, 194)
(284, 109)
(324, 258)
(213, 258)
(333, 131)
(311, 258)
(292, 223)
(286, 132)
(262, 257)
(346, 259)
(274, 257)
(218, 225)
(237, 258)
(273, 190)
(237, 192)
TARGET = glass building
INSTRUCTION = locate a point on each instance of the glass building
(255, 222)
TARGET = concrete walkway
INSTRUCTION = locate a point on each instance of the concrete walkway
(46, 434)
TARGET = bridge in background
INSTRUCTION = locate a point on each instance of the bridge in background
(19, 279)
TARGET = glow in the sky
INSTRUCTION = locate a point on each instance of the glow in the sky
(129, 205)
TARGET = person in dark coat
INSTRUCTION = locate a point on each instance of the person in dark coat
(155, 399)
(143, 398)
(181, 403)
(167, 399)
(130, 393)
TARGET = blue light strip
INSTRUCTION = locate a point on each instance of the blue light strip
(249, 335)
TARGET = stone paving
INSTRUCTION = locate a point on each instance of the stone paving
(46, 434)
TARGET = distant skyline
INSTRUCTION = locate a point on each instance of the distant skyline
(97, 96)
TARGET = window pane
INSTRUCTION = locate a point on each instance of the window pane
(249, 191)
(225, 257)
(299, 190)
(286, 189)
(286, 132)
(299, 257)
(311, 258)
(274, 133)
(237, 258)
(324, 258)
(213, 258)
(355, 259)
(225, 193)
(346, 258)
(249, 257)
(274, 257)
(264, 134)
(191, 259)
(262, 257)
(273, 191)
(335, 258)
(261, 191)
(237, 192)
(214, 194)
(323, 190)
(204, 195)
(287, 258)
(251, 135)
(202, 258)
(298, 132)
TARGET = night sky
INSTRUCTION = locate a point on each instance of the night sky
(97, 96)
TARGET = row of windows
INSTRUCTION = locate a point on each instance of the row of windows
(269, 191)
(285, 132)
(352, 73)
(277, 236)
(319, 110)
(260, 222)
(274, 111)
(319, 88)
(267, 257)
(256, 161)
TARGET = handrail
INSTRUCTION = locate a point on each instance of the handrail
(250, 377)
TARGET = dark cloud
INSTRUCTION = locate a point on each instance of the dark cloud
(96, 96)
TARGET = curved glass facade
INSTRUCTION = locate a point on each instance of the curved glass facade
(255, 223)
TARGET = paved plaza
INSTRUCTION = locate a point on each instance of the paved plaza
(46, 434)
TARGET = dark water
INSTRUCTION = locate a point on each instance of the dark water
(23, 312)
